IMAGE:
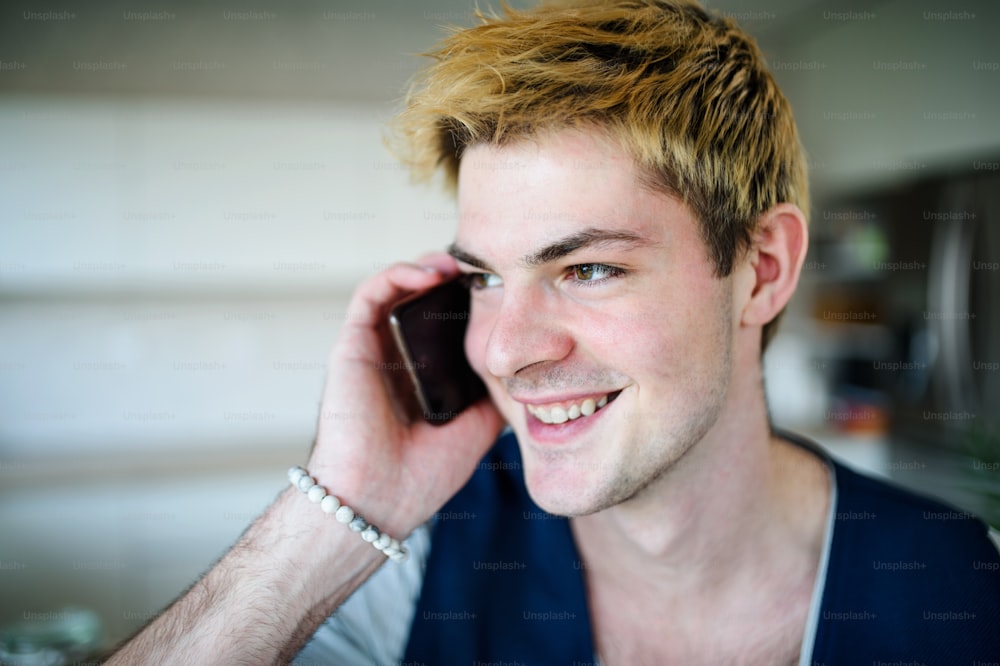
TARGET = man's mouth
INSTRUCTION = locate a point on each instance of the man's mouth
(554, 413)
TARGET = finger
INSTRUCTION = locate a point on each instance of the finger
(443, 262)
(375, 295)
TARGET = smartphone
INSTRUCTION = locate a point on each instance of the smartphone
(429, 330)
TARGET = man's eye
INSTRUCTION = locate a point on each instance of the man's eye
(594, 272)
(477, 281)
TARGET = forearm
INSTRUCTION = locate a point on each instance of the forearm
(263, 600)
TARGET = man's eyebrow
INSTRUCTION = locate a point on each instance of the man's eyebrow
(588, 238)
(591, 237)
(467, 257)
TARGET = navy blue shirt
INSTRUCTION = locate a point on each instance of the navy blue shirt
(907, 580)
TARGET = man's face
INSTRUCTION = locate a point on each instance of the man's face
(597, 322)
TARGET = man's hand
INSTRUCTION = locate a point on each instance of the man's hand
(397, 472)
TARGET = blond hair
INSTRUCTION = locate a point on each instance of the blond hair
(686, 92)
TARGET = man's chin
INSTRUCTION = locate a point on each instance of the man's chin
(561, 494)
(563, 480)
(561, 506)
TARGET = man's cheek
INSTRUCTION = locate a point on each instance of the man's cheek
(476, 337)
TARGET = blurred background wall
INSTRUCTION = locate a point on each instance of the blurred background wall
(189, 192)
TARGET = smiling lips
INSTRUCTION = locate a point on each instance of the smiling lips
(561, 412)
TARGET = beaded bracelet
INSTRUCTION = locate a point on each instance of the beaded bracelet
(390, 547)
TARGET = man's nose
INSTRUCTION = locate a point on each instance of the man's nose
(526, 330)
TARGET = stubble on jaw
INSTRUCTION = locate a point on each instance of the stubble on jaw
(634, 477)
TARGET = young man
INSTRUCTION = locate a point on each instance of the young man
(631, 193)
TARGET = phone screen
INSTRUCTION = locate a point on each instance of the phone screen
(429, 329)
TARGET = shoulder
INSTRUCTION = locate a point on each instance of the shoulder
(890, 519)
(907, 576)
(876, 517)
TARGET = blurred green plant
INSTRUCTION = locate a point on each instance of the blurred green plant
(981, 445)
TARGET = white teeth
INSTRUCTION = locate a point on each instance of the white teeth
(558, 414)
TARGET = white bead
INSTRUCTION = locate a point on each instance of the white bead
(329, 504)
(344, 514)
(299, 477)
(316, 494)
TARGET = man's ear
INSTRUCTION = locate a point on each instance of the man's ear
(776, 259)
